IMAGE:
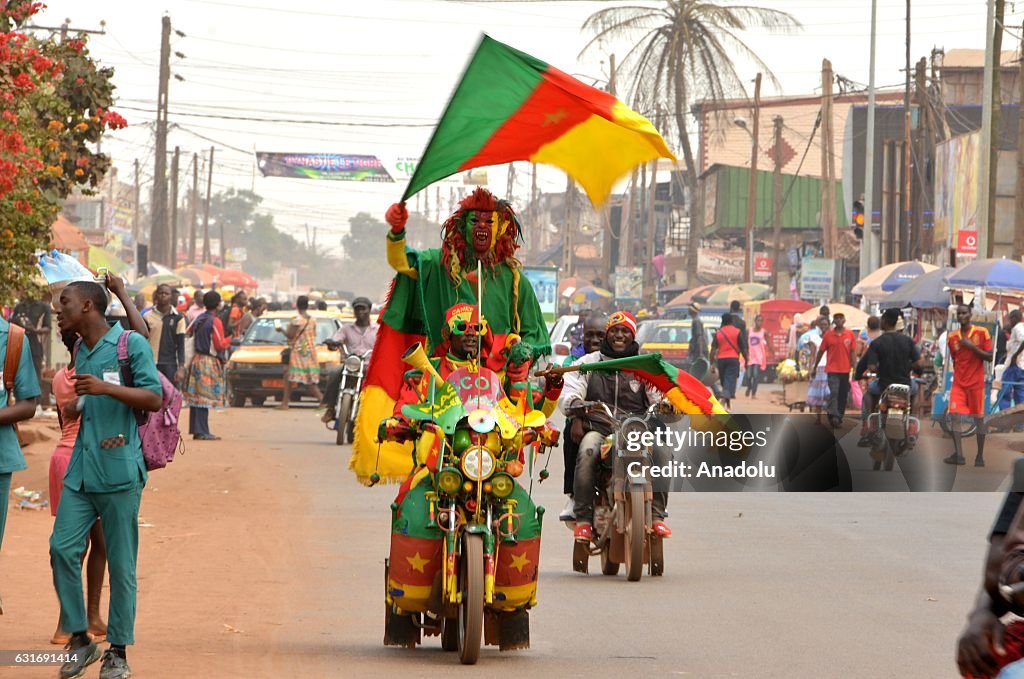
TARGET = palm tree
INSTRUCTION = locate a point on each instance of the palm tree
(685, 52)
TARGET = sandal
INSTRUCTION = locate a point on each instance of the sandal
(583, 532)
(661, 530)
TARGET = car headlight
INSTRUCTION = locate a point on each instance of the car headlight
(353, 364)
(477, 463)
(502, 485)
(449, 480)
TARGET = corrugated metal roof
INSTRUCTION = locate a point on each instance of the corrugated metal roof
(800, 210)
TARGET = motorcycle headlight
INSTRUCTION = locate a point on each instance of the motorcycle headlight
(353, 364)
(449, 480)
(477, 463)
(502, 485)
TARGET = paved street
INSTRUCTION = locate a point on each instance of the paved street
(262, 557)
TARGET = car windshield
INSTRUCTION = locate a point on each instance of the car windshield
(667, 334)
(263, 332)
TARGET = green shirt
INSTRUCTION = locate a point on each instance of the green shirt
(94, 468)
(26, 386)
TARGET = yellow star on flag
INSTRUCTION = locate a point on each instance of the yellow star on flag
(417, 562)
(519, 561)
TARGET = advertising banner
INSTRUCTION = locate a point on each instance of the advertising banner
(817, 279)
(545, 285)
(335, 166)
(956, 186)
(629, 283)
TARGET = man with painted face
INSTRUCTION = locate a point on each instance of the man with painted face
(483, 232)
(626, 396)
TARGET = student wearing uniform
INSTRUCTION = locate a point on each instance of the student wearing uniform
(26, 393)
(104, 478)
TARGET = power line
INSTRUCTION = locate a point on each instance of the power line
(282, 120)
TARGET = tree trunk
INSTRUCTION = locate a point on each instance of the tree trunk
(696, 206)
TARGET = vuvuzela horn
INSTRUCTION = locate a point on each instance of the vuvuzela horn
(417, 358)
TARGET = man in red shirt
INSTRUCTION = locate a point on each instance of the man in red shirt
(969, 347)
(729, 344)
(839, 344)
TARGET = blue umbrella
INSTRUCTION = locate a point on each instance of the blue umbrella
(996, 275)
(924, 292)
(889, 277)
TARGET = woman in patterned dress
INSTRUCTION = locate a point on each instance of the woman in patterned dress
(204, 378)
(303, 366)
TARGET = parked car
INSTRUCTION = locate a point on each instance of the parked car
(255, 371)
(561, 336)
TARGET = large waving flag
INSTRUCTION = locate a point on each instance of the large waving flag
(510, 106)
(683, 390)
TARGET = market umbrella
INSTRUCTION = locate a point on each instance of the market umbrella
(889, 277)
(698, 294)
(925, 292)
(855, 318)
(197, 277)
(238, 278)
(104, 259)
(996, 275)
(741, 292)
(590, 293)
(149, 283)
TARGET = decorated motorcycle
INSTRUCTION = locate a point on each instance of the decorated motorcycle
(465, 542)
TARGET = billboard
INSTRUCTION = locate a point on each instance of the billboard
(957, 165)
(629, 283)
(817, 279)
(545, 285)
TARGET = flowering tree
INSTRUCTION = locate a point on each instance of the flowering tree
(54, 103)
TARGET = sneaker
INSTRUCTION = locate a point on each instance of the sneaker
(568, 514)
(114, 666)
(979, 461)
(82, 657)
(954, 459)
(661, 530)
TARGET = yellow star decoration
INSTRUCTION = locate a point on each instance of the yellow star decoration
(417, 562)
(519, 561)
(555, 118)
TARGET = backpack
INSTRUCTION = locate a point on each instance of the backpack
(158, 430)
(12, 357)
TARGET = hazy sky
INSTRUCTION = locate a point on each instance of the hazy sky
(376, 75)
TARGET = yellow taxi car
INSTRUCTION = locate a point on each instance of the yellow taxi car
(255, 371)
(668, 337)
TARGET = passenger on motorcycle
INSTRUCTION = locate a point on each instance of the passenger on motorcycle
(355, 338)
(892, 356)
(626, 396)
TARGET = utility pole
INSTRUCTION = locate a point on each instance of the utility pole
(136, 211)
(748, 259)
(1018, 233)
(652, 226)
(869, 254)
(193, 210)
(903, 246)
(987, 116)
(570, 227)
(511, 181)
(173, 253)
(606, 211)
(777, 204)
(997, 108)
(921, 142)
(828, 165)
(158, 235)
(206, 212)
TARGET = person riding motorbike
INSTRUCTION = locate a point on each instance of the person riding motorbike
(892, 356)
(626, 396)
(355, 338)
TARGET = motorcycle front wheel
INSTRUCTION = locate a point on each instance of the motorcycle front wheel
(635, 535)
(471, 610)
(344, 415)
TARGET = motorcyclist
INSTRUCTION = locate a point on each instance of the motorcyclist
(892, 356)
(354, 338)
(626, 396)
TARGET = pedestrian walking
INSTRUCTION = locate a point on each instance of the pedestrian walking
(104, 478)
(204, 377)
(303, 365)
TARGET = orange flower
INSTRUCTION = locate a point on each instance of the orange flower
(82, 127)
(55, 126)
(79, 172)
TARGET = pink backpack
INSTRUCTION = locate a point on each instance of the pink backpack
(158, 430)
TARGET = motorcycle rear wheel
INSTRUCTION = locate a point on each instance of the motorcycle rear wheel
(344, 415)
(471, 610)
(635, 535)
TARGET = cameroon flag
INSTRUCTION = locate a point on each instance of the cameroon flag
(511, 106)
(684, 391)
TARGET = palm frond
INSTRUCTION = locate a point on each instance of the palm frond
(619, 24)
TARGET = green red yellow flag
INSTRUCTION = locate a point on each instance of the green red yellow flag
(684, 391)
(510, 106)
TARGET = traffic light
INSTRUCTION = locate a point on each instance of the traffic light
(858, 218)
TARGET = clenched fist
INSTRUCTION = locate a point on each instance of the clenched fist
(396, 217)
